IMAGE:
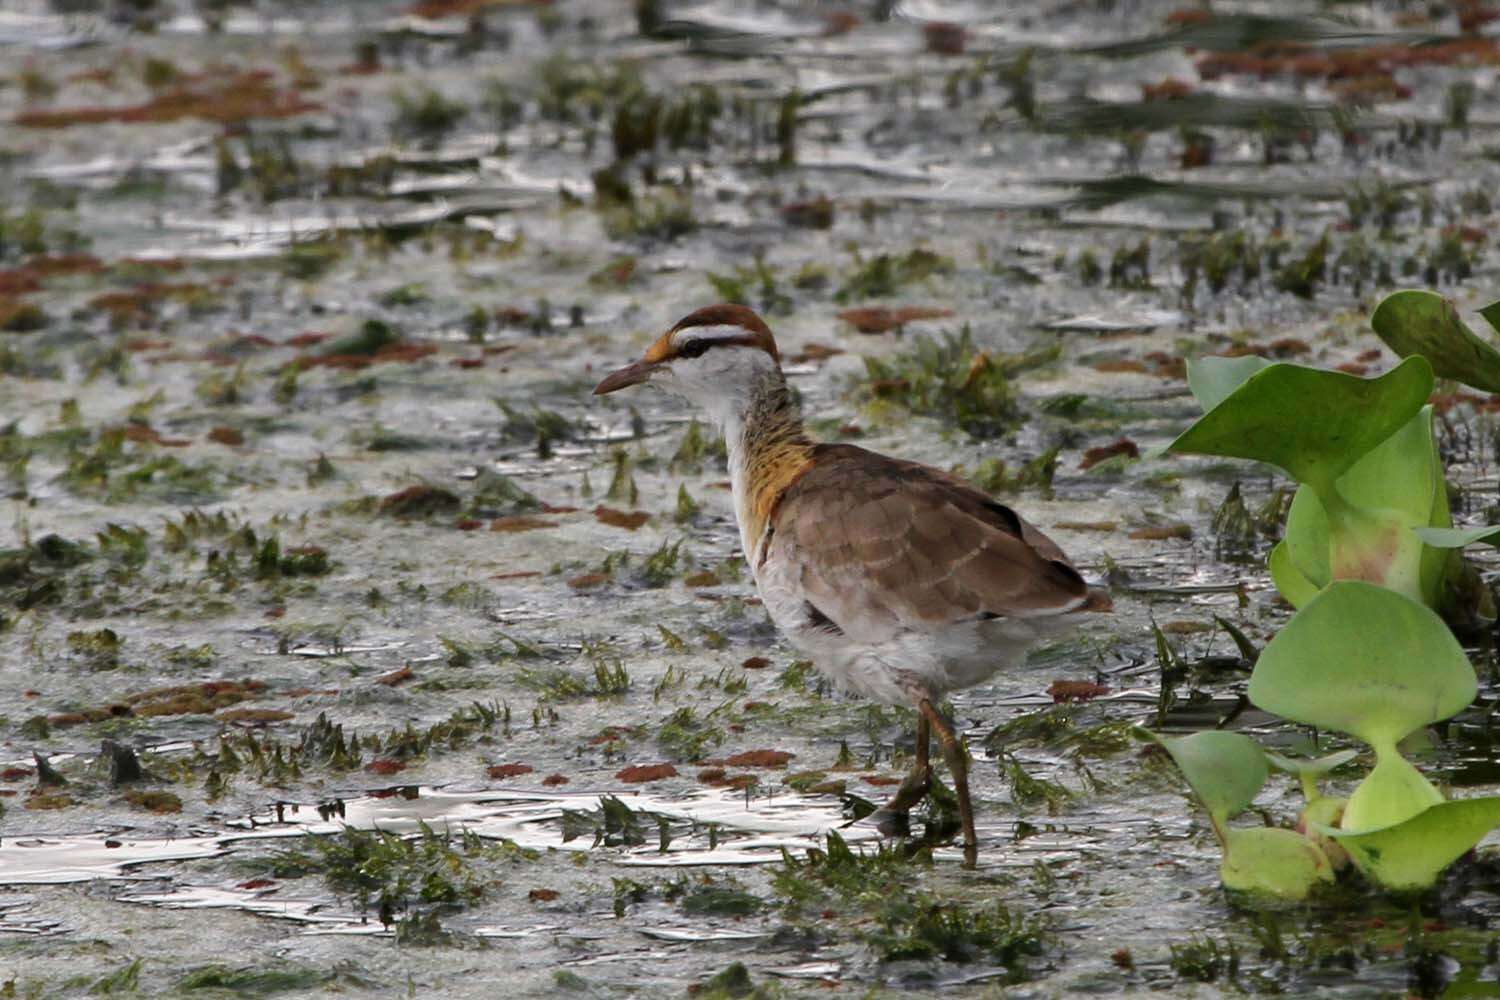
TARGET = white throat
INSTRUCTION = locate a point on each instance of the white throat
(741, 390)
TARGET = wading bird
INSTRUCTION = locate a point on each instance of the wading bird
(899, 581)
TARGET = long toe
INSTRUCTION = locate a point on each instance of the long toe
(914, 788)
(894, 818)
(891, 823)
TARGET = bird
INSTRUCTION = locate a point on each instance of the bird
(900, 582)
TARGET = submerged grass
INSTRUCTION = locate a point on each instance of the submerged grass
(948, 378)
(395, 874)
(875, 891)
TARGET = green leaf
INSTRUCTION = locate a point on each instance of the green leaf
(1457, 538)
(1393, 792)
(1309, 771)
(1491, 314)
(1402, 473)
(1411, 855)
(1420, 322)
(1213, 379)
(1364, 660)
(1242, 642)
(1379, 547)
(1313, 423)
(1225, 770)
(1398, 485)
(1293, 586)
(1325, 810)
(1315, 767)
(1306, 540)
(1273, 861)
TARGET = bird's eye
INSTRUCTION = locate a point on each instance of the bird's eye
(693, 349)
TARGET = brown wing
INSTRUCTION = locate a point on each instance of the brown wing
(887, 544)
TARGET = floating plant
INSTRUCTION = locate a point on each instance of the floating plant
(1337, 434)
(1226, 771)
(1369, 662)
(1368, 543)
(1421, 322)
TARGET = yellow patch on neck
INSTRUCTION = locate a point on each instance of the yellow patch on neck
(772, 465)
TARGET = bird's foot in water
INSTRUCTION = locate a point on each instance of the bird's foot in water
(894, 818)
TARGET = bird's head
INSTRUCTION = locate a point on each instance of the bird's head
(720, 357)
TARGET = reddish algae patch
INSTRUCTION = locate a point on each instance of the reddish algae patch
(236, 98)
(646, 772)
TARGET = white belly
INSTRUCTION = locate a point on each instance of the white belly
(898, 666)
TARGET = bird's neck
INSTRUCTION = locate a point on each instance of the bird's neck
(768, 451)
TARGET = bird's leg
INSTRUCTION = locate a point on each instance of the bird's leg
(924, 747)
(916, 784)
(891, 818)
(957, 757)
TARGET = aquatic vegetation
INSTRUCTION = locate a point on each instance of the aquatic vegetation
(768, 298)
(425, 873)
(663, 214)
(1226, 771)
(542, 426)
(309, 260)
(1301, 276)
(994, 476)
(695, 447)
(734, 982)
(899, 921)
(123, 980)
(34, 575)
(1367, 551)
(884, 274)
(1319, 426)
(427, 115)
(1131, 267)
(949, 378)
(685, 737)
(99, 649)
(256, 980)
(1421, 322)
(615, 824)
(1347, 661)
(1205, 959)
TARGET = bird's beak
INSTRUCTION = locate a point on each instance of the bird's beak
(632, 374)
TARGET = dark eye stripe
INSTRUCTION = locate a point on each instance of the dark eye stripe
(694, 348)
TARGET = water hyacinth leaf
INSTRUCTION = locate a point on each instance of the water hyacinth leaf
(1314, 424)
(1320, 812)
(1213, 379)
(1364, 660)
(1289, 580)
(1307, 540)
(1270, 860)
(1378, 546)
(1393, 792)
(1457, 538)
(1416, 322)
(1226, 770)
(1397, 485)
(1314, 768)
(1411, 855)
(1375, 545)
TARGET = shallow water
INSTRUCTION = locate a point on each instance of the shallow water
(202, 376)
